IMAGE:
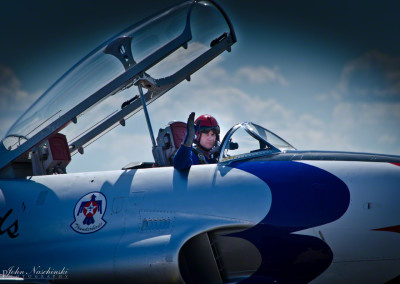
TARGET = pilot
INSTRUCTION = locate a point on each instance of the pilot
(204, 132)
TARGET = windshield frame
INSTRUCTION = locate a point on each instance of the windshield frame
(248, 127)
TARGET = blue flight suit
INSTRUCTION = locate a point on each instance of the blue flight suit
(185, 157)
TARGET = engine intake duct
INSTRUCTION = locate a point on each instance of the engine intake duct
(218, 257)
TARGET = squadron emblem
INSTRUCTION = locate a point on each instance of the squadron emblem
(88, 213)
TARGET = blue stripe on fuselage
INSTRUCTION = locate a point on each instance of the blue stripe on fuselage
(303, 196)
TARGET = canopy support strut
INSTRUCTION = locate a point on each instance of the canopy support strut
(146, 113)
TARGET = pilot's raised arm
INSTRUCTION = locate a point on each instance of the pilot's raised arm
(204, 134)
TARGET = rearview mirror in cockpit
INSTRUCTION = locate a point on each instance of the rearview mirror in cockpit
(232, 145)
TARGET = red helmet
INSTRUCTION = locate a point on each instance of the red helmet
(207, 123)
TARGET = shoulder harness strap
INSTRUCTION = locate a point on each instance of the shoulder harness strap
(200, 156)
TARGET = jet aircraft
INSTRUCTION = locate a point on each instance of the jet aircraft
(265, 213)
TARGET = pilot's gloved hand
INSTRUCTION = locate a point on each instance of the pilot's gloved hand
(191, 130)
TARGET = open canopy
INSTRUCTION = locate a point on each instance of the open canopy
(95, 95)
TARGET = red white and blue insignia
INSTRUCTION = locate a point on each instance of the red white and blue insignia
(89, 212)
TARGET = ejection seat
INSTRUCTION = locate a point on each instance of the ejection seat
(168, 141)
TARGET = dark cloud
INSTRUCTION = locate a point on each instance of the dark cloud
(13, 98)
(373, 76)
(10, 89)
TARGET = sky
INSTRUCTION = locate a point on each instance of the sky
(323, 75)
